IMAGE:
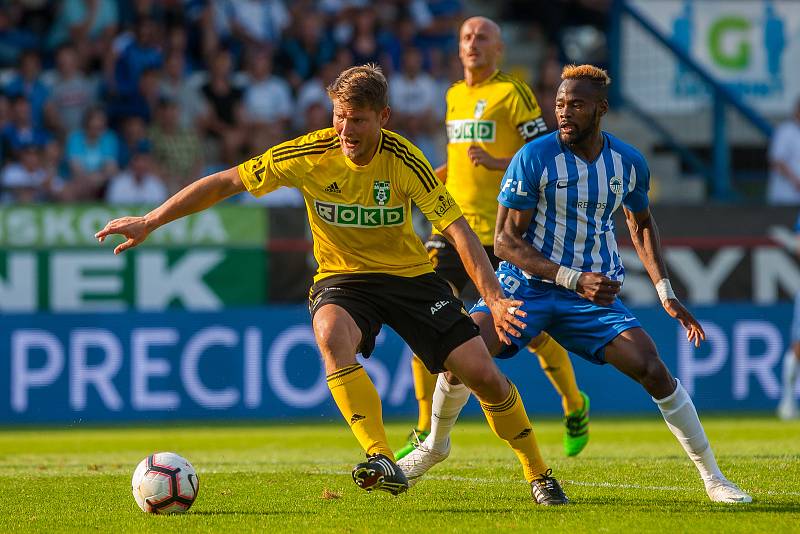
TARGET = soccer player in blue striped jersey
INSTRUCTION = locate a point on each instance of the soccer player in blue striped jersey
(556, 234)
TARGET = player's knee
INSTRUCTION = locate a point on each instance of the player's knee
(653, 371)
(336, 339)
(486, 383)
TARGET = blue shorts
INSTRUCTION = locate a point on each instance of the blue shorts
(577, 324)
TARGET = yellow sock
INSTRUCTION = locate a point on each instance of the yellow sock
(510, 422)
(358, 400)
(424, 384)
(557, 366)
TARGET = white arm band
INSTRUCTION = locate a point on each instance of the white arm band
(664, 290)
(567, 277)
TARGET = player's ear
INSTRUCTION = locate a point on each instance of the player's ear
(602, 106)
(384, 115)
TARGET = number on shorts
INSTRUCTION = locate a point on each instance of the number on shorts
(511, 284)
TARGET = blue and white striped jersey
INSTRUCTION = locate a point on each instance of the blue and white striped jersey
(573, 200)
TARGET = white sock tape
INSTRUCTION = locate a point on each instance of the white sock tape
(567, 277)
(664, 290)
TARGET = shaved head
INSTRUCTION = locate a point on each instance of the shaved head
(486, 25)
(480, 46)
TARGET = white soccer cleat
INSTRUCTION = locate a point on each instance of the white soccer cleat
(421, 459)
(787, 409)
(720, 489)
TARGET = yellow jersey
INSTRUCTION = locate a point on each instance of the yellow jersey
(499, 114)
(360, 216)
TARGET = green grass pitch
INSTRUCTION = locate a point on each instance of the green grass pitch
(633, 477)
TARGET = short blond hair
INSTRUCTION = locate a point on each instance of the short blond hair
(596, 75)
(362, 87)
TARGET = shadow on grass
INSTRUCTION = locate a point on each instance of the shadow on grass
(249, 512)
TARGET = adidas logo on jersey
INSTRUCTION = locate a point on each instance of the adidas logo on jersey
(333, 188)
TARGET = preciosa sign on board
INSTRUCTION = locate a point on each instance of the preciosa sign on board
(263, 363)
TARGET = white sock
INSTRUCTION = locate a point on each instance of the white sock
(789, 377)
(681, 417)
(448, 401)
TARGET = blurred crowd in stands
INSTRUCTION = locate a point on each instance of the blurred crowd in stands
(126, 101)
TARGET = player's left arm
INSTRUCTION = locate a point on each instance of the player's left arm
(433, 199)
(479, 268)
(647, 242)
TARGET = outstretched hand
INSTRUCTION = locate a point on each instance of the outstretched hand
(134, 229)
(505, 313)
(694, 332)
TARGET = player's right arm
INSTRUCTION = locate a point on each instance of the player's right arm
(195, 197)
(509, 245)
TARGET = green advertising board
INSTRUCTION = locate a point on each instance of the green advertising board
(50, 261)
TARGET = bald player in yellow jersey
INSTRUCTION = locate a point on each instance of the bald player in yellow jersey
(358, 182)
(490, 115)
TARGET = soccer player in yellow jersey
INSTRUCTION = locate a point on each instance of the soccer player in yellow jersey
(358, 181)
(490, 115)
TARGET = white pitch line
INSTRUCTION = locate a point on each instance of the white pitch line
(609, 485)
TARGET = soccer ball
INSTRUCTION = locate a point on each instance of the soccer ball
(165, 483)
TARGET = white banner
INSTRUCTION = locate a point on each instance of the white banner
(750, 46)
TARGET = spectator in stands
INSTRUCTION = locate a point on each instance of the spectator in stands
(316, 117)
(368, 43)
(27, 180)
(267, 101)
(92, 156)
(71, 95)
(174, 85)
(546, 87)
(440, 29)
(13, 39)
(249, 22)
(177, 150)
(28, 83)
(133, 133)
(138, 184)
(314, 92)
(89, 25)
(306, 50)
(178, 43)
(413, 97)
(224, 120)
(141, 54)
(141, 103)
(5, 119)
(20, 129)
(784, 159)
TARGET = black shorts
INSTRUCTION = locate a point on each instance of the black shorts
(447, 262)
(421, 309)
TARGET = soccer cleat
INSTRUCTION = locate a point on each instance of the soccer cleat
(415, 437)
(421, 459)
(547, 491)
(787, 410)
(720, 489)
(576, 435)
(379, 472)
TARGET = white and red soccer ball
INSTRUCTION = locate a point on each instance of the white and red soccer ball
(165, 483)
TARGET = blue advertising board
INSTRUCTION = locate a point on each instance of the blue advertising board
(262, 363)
